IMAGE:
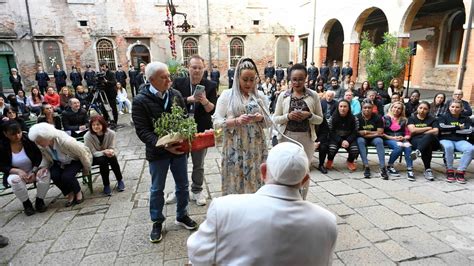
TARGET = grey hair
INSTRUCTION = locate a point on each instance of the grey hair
(331, 92)
(13, 69)
(72, 99)
(45, 131)
(237, 99)
(154, 67)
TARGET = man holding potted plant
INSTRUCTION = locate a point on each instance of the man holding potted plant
(155, 99)
(201, 106)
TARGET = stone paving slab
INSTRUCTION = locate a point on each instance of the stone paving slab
(379, 222)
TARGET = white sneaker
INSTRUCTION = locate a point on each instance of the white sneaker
(121, 112)
(200, 198)
(170, 198)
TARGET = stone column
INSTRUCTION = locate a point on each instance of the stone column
(351, 54)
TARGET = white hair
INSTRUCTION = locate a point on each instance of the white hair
(45, 131)
(13, 69)
(153, 67)
(331, 92)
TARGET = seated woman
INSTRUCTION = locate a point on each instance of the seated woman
(63, 158)
(11, 113)
(377, 107)
(424, 131)
(122, 99)
(396, 135)
(53, 99)
(361, 93)
(371, 132)
(22, 110)
(101, 142)
(83, 97)
(343, 133)
(396, 86)
(64, 97)
(454, 129)
(35, 100)
(19, 161)
(20, 97)
(438, 106)
(49, 116)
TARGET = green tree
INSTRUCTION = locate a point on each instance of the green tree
(384, 61)
(176, 69)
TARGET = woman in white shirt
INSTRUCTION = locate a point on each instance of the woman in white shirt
(35, 100)
(122, 98)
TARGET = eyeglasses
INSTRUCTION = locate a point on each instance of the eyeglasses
(297, 80)
(458, 94)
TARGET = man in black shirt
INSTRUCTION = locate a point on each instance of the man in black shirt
(75, 118)
(412, 104)
(230, 76)
(42, 78)
(59, 77)
(75, 77)
(280, 74)
(89, 76)
(335, 70)
(288, 70)
(215, 75)
(269, 70)
(111, 92)
(121, 76)
(313, 72)
(346, 71)
(324, 72)
(132, 74)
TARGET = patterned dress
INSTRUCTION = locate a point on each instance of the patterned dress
(244, 148)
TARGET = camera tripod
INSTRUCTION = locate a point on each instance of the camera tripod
(101, 105)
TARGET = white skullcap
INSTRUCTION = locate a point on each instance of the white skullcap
(287, 163)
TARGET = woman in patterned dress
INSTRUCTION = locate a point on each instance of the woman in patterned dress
(240, 116)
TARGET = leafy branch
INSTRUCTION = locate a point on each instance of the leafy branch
(384, 61)
(175, 123)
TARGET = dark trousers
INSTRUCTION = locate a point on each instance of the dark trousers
(323, 151)
(103, 162)
(352, 150)
(59, 86)
(133, 89)
(425, 143)
(112, 97)
(65, 178)
(42, 89)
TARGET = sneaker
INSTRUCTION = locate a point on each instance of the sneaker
(107, 191)
(186, 222)
(170, 198)
(410, 175)
(429, 175)
(367, 172)
(28, 208)
(200, 198)
(3, 241)
(383, 173)
(155, 235)
(39, 205)
(120, 186)
(392, 171)
(460, 177)
(450, 176)
(329, 165)
(414, 155)
(351, 166)
(121, 112)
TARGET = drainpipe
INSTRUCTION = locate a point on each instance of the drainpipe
(31, 31)
(314, 32)
(466, 48)
(209, 36)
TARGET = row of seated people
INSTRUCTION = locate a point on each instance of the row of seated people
(415, 136)
(439, 105)
(46, 153)
(59, 101)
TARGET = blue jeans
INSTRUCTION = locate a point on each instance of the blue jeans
(463, 146)
(362, 143)
(397, 151)
(158, 172)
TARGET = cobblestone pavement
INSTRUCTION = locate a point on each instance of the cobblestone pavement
(379, 222)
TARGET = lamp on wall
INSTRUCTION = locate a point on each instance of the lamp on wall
(185, 26)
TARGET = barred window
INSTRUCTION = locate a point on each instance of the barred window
(236, 51)
(52, 56)
(105, 53)
(190, 47)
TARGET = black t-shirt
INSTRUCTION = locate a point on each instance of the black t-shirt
(429, 121)
(370, 125)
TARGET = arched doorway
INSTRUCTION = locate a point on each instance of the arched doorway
(373, 21)
(138, 54)
(436, 30)
(335, 43)
(282, 51)
(7, 62)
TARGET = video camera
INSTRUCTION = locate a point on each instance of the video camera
(100, 81)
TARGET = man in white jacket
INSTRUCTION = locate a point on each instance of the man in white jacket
(274, 226)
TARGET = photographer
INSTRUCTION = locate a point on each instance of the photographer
(108, 85)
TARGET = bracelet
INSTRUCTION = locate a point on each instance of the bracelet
(206, 103)
(236, 121)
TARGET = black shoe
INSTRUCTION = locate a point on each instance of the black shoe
(3, 241)
(186, 222)
(392, 171)
(28, 208)
(383, 173)
(322, 169)
(155, 235)
(40, 206)
(367, 172)
(76, 201)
